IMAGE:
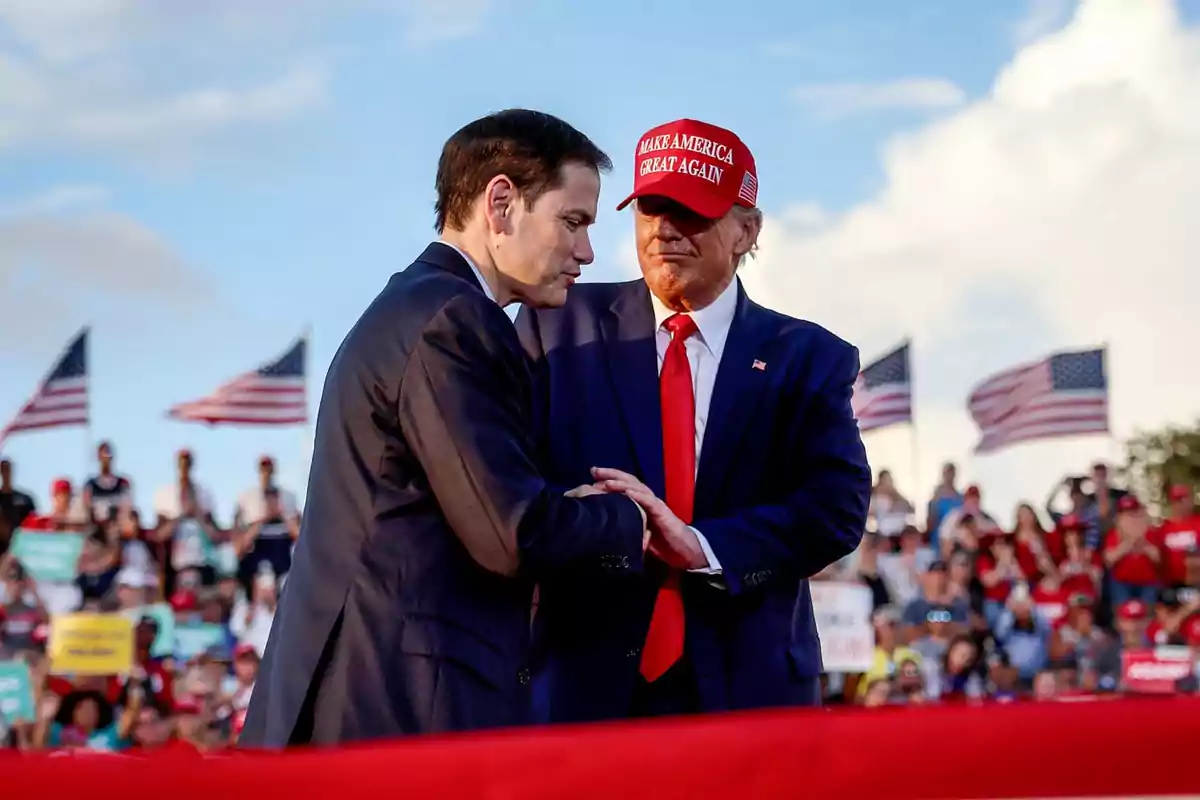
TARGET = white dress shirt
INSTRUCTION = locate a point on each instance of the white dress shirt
(704, 349)
(471, 263)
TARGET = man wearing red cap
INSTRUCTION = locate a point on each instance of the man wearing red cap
(731, 425)
(63, 515)
(1131, 555)
(1179, 536)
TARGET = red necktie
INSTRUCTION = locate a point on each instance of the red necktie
(664, 642)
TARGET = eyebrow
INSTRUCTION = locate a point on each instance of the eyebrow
(585, 216)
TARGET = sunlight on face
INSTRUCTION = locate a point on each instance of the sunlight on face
(549, 242)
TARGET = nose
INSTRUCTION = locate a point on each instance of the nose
(583, 250)
(665, 228)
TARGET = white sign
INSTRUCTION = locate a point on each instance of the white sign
(843, 613)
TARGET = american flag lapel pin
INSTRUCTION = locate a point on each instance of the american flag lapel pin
(761, 365)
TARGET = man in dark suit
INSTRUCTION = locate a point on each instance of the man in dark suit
(427, 521)
(731, 424)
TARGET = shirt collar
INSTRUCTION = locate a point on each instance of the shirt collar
(471, 263)
(712, 321)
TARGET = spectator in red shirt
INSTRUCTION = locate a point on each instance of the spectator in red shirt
(155, 675)
(1178, 536)
(1079, 570)
(1131, 556)
(1051, 599)
(1173, 610)
(999, 571)
(1037, 551)
(63, 516)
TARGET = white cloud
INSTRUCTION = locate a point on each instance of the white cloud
(144, 78)
(57, 198)
(1057, 212)
(1042, 17)
(63, 260)
(833, 100)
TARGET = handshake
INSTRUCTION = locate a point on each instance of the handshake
(666, 536)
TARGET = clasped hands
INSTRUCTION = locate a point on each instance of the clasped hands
(667, 537)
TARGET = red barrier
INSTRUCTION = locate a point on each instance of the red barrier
(1086, 749)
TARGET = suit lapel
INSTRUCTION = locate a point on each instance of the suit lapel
(628, 331)
(736, 393)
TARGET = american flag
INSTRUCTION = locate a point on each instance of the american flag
(883, 392)
(61, 400)
(748, 193)
(1063, 395)
(273, 394)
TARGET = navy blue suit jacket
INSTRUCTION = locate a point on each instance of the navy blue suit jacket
(781, 492)
(427, 524)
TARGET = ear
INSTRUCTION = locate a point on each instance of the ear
(499, 199)
(749, 227)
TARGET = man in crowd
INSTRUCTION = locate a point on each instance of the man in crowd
(106, 493)
(15, 505)
(658, 388)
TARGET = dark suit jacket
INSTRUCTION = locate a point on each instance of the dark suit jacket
(781, 492)
(427, 523)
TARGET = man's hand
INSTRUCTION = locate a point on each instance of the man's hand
(672, 541)
(599, 488)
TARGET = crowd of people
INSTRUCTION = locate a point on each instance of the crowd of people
(1052, 608)
(965, 608)
(200, 597)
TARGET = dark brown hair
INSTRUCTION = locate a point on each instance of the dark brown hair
(530, 147)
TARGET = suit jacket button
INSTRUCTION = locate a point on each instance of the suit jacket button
(523, 677)
(624, 562)
(634, 653)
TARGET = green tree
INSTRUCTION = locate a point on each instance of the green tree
(1156, 460)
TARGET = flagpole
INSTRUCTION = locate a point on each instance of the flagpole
(1115, 450)
(306, 430)
(87, 428)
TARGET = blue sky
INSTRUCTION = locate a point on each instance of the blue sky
(200, 188)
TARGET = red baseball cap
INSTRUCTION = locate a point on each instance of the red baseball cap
(700, 166)
(1180, 492)
(1132, 609)
(1070, 522)
(60, 486)
(243, 650)
(1129, 502)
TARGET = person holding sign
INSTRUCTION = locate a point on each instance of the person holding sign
(729, 423)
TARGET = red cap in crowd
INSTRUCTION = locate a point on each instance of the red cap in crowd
(1191, 630)
(183, 600)
(244, 650)
(705, 168)
(1070, 522)
(1128, 502)
(60, 486)
(1180, 492)
(1132, 609)
(186, 705)
(972, 491)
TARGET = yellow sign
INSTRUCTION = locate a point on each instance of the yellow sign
(91, 644)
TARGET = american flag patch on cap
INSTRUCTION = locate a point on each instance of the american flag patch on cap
(748, 194)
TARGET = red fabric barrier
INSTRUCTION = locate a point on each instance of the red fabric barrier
(1086, 749)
